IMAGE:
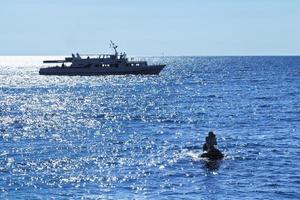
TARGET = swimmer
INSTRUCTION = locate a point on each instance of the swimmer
(210, 151)
(210, 140)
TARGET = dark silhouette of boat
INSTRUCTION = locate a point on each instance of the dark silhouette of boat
(103, 64)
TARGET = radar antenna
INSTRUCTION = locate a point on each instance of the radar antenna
(114, 46)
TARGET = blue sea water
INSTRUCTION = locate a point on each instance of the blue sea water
(140, 137)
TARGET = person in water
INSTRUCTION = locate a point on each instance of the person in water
(210, 151)
(210, 140)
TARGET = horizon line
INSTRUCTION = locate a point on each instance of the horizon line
(209, 55)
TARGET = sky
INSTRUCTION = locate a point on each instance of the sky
(150, 28)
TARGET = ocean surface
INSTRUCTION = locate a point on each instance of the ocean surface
(140, 137)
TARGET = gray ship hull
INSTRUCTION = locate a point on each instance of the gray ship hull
(100, 71)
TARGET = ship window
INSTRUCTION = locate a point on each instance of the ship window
(137, 64)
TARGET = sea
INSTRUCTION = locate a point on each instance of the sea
(141, 137)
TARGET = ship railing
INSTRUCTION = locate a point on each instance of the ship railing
(97, 55)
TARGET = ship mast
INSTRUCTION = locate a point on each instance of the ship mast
(114, 46)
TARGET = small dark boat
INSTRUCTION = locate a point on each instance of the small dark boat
(213, 154)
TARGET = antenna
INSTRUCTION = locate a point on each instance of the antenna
(114, 46)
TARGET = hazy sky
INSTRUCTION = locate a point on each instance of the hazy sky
(152, 27)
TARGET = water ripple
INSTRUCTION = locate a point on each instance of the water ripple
(140, 137)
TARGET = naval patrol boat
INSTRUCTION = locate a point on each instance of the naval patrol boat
(103, 64)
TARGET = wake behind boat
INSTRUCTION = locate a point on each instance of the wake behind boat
(103, 64)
